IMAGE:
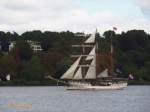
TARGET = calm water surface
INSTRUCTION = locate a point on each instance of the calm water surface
(58, 99)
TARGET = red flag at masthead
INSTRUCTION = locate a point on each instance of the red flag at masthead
(114, 28)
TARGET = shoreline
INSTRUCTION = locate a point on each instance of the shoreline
(53, 83)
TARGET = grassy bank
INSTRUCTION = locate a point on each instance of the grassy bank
(30, 83)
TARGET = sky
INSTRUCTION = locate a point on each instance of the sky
(74, 15)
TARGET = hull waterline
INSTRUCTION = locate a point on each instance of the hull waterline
(90, 87)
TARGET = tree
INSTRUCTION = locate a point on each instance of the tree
(50, 62)
(9, 65)
(33, 70)
(4, 67)
(23, 50)
(4, 39)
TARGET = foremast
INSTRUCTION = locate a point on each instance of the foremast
(85, 66)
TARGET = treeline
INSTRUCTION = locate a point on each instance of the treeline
(131, 54)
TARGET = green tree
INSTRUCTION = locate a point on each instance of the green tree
(4, 67)
(23, 50)
(9, 65)
(33, 70)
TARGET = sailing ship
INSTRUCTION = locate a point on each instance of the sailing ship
(84, 74)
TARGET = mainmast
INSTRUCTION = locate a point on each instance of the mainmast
(111, 56)
(96, 54)
(111, 52)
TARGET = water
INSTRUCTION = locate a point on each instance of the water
(57, 99)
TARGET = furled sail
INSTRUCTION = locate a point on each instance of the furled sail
(91, 54)
(91, 39)
(103, 74)
(78, 74)
(70, 72)
(91, 71)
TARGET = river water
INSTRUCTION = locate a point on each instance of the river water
(58, 99)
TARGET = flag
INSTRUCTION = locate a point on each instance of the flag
(131, 76)
(114, 28)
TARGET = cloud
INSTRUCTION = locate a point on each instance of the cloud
(144, 6)
(57, 15)
(60, 15)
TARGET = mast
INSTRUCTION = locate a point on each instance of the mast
(111, 52)
(111, 55)
(92, 70)
(96, 54)
(82, 67)
(85, 65)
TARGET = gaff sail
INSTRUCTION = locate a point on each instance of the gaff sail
(91, 73)
(91, 54)
(78, 74)
(91, 39)
(70, 72)
(103, 74)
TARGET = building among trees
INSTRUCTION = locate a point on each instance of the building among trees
(36, 46)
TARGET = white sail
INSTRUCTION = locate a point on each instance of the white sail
(91, 71)
(91, 39)
(78, 74)
(103, 74)
(70, 72)
(91, 54)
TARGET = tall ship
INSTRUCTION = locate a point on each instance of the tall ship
(84, 73)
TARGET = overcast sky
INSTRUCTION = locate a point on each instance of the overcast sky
(74, 15)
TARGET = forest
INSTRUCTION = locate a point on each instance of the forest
(131, 55)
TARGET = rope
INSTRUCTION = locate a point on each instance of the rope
(57, 80)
